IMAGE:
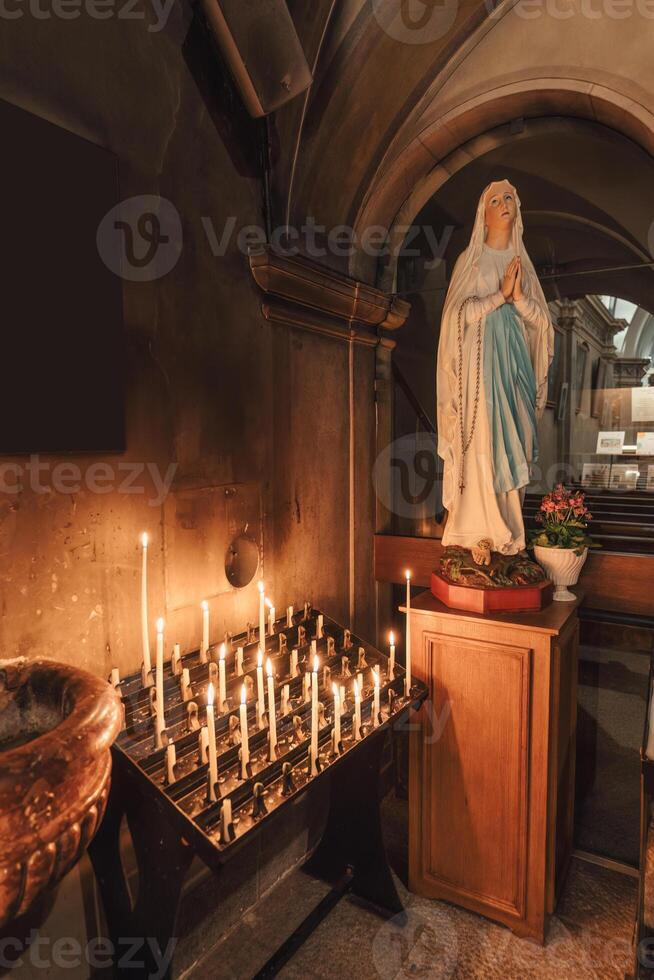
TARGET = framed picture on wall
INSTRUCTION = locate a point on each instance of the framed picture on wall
(610, 443)
(563, 401)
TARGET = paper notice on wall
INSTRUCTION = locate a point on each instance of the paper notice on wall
(645, 444)
(610, 443)
(642, 404)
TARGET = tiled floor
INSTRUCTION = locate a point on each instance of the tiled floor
(589, 937)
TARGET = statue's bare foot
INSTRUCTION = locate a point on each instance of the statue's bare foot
(481, 552)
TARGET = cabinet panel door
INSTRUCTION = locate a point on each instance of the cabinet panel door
(475, 773)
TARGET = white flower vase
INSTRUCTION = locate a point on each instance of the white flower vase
(563, 567)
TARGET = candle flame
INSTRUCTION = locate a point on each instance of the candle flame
(210, 696)
(268, 603)
(259, 658)
(260, 586)
(205, 605)
(316, 665)
(408, 575)
(244, 695)
(221, 653)
(144, 539)
(269, 667)
(160, 625)
(392, 638)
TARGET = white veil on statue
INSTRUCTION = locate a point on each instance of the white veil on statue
(464, 284)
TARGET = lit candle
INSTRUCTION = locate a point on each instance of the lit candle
(289, 617)
(391, 659)
(239, 661)
(271, 617)
(314, 718)
(204, 646)
(407, 679)
(356, 720)
(337, 718)
(261, 704)
(262, 616)
(145, 639)
(161, 722)
(213, 758)
(245, 744)
(272, 719)
(375, 703)
(286, 695)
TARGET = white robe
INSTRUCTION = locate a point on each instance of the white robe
(481, 512)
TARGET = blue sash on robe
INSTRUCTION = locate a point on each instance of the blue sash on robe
(510, 399)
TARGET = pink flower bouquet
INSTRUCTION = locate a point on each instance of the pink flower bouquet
(564, 518)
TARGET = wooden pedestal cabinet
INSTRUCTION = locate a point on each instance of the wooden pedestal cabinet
(492, 762)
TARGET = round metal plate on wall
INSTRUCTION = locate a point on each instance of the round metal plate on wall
(241, 561)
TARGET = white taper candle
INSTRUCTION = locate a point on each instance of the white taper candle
(204, 646)
(245, 743)
(314, 717)
(222, 683)
(375, 701)
(337, 716)
(161, 721)
(145, 638)
(407, 679)
(213, 758)
(261, 703)
(262, 615)
(272, 716)
(356, 720)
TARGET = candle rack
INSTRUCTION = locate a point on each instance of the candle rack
(170, 812)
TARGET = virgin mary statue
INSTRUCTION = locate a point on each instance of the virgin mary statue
(494, 352)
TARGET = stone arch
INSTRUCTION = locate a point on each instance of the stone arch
(470, 130)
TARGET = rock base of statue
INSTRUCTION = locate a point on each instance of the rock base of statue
(504, 583)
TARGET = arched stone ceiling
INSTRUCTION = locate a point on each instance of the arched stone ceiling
(384, 114)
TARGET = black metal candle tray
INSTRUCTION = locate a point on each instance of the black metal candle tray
(271, 785)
